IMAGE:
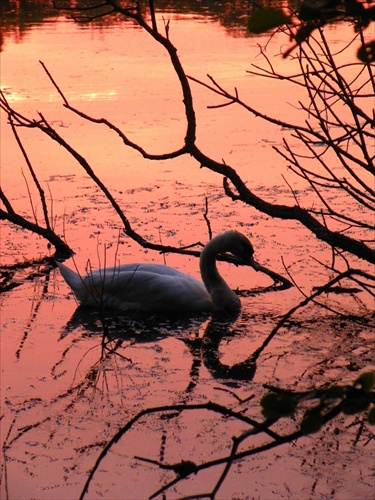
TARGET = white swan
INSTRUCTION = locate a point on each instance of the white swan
(155, 287)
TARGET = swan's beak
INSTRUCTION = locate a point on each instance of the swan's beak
(246, 260)
(275, 276)
(254, 264)
(249, 261)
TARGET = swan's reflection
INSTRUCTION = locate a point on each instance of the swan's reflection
(204, 335)
(135, 326)
(219, 329)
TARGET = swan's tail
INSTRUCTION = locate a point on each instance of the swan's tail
(73, 279)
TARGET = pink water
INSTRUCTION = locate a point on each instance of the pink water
(63, 394)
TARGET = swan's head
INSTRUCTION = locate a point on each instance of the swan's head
(239, 246)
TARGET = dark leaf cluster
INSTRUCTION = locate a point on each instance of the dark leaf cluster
(314, 15)
(352, 399)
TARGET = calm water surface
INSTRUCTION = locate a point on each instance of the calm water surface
(65, 387)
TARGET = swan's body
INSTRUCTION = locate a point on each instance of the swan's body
(154, 287)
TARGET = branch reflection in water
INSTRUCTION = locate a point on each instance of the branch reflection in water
(207, 337)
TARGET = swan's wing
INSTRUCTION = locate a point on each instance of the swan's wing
(141, 288)
(150, 268)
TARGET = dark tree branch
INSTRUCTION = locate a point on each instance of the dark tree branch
(244, 194)
(328, 73)
(33, 175)
(62, 249)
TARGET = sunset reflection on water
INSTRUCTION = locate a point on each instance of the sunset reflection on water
(59, 378)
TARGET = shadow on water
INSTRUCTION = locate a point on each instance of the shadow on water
(220, 329)
(133, 326)
(203, 334)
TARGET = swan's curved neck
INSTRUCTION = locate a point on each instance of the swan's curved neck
(223, 298)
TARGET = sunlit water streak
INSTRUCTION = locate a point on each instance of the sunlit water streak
(58, 376)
